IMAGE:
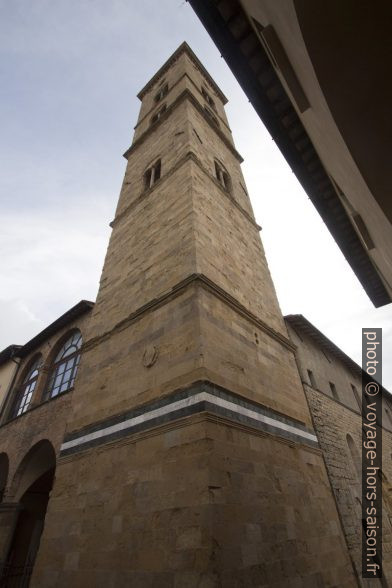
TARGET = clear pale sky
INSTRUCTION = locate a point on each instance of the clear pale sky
(69, 75)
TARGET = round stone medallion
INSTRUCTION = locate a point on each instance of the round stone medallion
(150, 355)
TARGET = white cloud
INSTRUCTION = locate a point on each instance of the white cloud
(50, 262)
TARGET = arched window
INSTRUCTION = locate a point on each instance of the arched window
(65, 366)
(27, 388)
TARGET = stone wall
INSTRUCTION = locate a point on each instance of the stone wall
(198, 503)
(335, 422)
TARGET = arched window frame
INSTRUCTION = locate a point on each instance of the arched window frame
(25, 389)
(65, 364)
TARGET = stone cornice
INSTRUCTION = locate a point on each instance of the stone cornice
(180, 423)
(188, 156)
(185, 95)
(155, 107)
(193, 280)
(241, 309)
(198, 397)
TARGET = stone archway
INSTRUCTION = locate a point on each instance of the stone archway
(32, 484)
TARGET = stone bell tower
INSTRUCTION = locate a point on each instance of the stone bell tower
(189, 458)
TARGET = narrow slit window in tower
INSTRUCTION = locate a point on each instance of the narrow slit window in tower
(162, 93)
(222, 176)
(334, 391)
(208, 98)
(152, 174)
(158, 114)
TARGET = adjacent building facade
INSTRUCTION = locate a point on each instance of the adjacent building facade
(333, 387)
(9, 363)
(315, 74)
(168, 435)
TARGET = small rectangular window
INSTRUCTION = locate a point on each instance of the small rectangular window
(357, 397)
(152, 174)
(334, 391)
(208, 98)
(158, 114)
(311, 379)
(222, 176)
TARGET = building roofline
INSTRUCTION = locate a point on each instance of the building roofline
(9, 352)
(183, 48)
(240, 46)
(22, 350)
(299, 322)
